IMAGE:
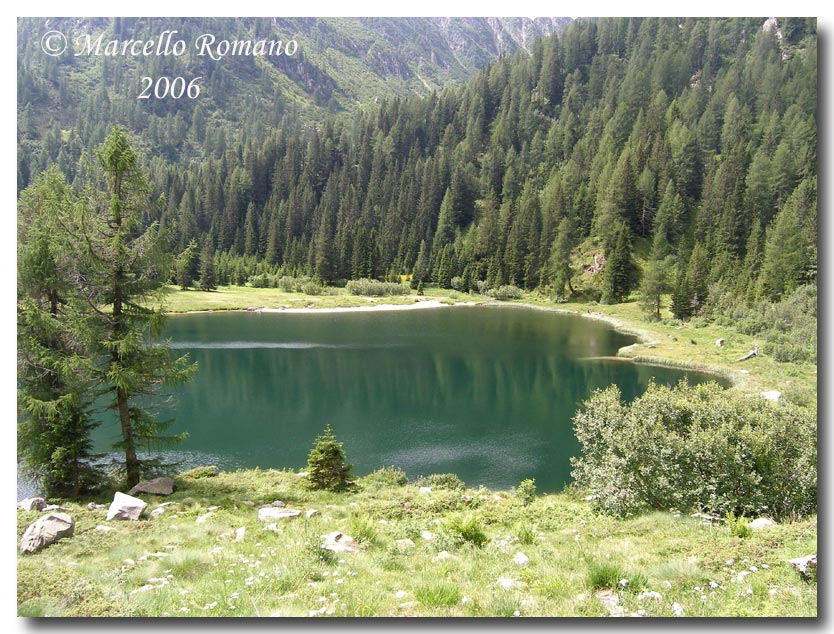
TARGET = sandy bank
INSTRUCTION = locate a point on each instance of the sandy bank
(429, 303)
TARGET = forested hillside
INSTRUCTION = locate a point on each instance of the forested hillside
(686, 144)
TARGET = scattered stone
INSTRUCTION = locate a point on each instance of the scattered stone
(272, 513)
(425, 489)
(339, 543)
(497, 497)
(521, 559)
(212, 508)
(401, 594)
(92, 506)
(444, 556)
(129, 562)
(46, 530)
(772, 395)
(203, 518)
(32, 504)
(157, 486)
(303, 474)
(805, 566)
(611, 602)
(677, 609)
(428, 536)
(271, 527)
(104, 529)
(404, 544)
(508, 584)
(125, 507)
(311, 513)
(53, 507)
(649, 594)
(353, 505)
(248, 503)
(761, 522)
(719, 342)
(240, 533)
(278, 504)
(158, 511)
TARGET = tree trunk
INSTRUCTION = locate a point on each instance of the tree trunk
(131, 461)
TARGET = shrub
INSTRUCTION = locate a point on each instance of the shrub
(326, 465)
(508, 291)
(362, 529)
(386, 477)
(526, 490)
(197, 473)
(696, 448)
(465, 528)
(375, 288)
(448, 481)
(738, 526)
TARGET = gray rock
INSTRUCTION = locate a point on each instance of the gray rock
(30, 504)
(404, 544)
(92, 506)
(158, 511)
(157, 486)
(46, 530)
(53, 507)
(278, 504)
(339, 543)
(521, 559)
(240, 533)
(719, 342)
(268, 513)
(310, 513)
(761, 522)
(205, 517)
(772, 395)
(125, 507)
(805, 566)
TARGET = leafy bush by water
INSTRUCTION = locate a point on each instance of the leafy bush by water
(449, 481)
(696, 448)
(375, 288)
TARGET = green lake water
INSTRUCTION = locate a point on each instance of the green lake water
(485, 392)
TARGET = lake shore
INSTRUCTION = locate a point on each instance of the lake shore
(666, 342)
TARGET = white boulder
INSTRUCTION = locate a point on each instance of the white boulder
(46, 530)
(268, 513)
(125, 507)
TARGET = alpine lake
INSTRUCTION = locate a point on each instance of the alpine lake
(485, 392)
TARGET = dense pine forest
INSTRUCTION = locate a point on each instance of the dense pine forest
(688, 144)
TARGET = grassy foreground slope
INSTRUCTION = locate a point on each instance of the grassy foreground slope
(187, 562)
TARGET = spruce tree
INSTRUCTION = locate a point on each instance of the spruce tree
(208, 277)
(326, 465)
(54, 375)
(123, 265)
(620, 270)
(187, 266)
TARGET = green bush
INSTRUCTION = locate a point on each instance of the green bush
(696, 447)
(375, 288)
(326, 464)
(448, 481)
(526, 490)
(197, 473)
(463, 528)
(386, 477)
(508, 291)
(738, 526)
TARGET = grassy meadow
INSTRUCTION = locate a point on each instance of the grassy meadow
(462, 559)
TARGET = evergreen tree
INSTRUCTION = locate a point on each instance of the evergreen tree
(54, 387)
(560, 255)
(208, 277)
(655, 280)
(123, 265)
(620, 270)
(187, 266)
(326, 465)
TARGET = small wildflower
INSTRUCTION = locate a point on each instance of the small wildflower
(730, 562)
(677, 610)
(623, 582)
(338, 581)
